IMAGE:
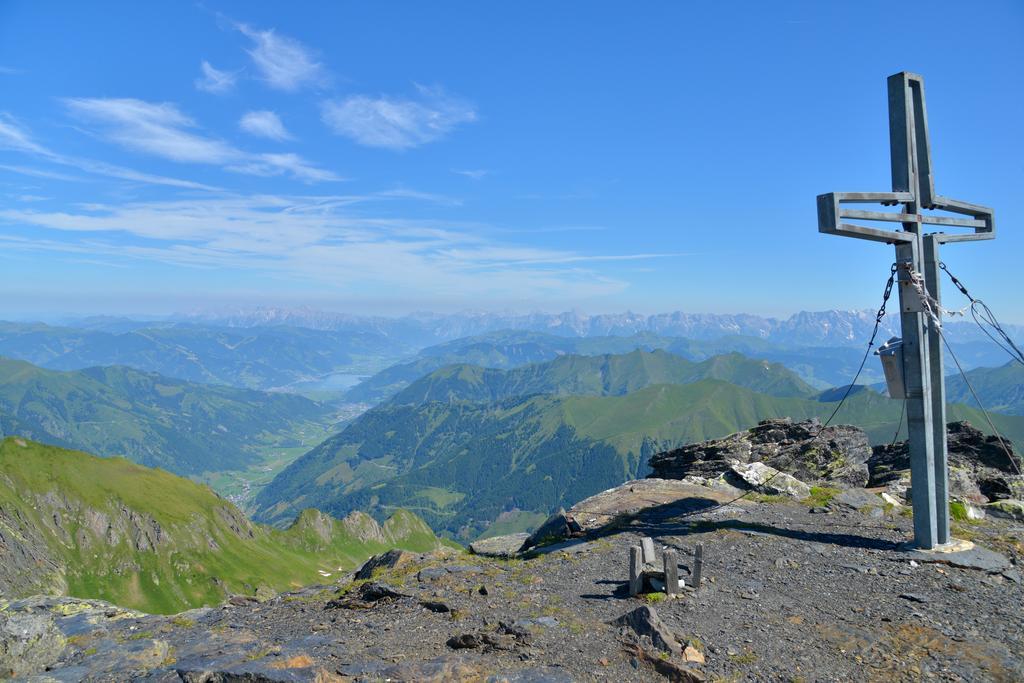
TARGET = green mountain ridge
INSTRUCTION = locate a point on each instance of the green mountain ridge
(106, 528)
(1000, 389)
(601, 375)
(184, 427)
(821, 367)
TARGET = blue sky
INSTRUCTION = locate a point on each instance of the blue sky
(381, 157)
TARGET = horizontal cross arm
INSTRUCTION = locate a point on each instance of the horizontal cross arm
(873, 197)
(911, 218)
(830, 216)
(982, 215)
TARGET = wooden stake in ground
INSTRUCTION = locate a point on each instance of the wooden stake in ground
(636, 571)
(698, 565)
(671, 573)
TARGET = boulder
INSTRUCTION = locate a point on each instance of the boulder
(857, 499)
(1007, 508)
(389, 560)
(768, 480)
(644, 621)
(633, 497)
(499, 546)
(979, 469)
(555, 528)
(835, 455)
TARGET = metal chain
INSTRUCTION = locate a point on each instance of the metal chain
(983, 314)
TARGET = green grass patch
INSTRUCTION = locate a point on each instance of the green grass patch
(821, 496)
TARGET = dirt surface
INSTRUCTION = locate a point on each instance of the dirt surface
(788, 595)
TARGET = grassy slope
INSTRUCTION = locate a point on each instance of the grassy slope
(1000, 389)
(603, 375)
(158, 421)
(202, 557)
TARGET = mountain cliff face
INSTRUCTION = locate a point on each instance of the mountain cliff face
(75, 524)
(154, 420)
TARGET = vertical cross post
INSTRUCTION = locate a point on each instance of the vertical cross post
(938, 395)
(917, 253)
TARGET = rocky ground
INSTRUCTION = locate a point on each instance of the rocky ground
(793, 590)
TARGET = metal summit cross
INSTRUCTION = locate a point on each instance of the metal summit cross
(913, 190)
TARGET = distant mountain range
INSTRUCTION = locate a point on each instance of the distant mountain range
(822, 328)
(461, 449)
(324, 354)
(255, 358)
(183, 427)
(74, 524)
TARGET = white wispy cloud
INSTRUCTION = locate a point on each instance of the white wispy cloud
(264, 124)
(285, 63)
(164, 131)
(397, 123)
(39, 173)
(277, 164)
(214, 80)
(473, 174)
(10, 71)
(17, 138)
(158, 129)
(320, 239)
(14, 137)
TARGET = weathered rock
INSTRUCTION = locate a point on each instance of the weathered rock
(465, 641)
(978, 558)
(634, 497)
(366, 596)
(499, 546)
(389, 560)
(857, 499)
(835, 454)
(668, 669)
(768, 480)
(28, 643)
(449, 669)
(1007, 509)
(644, 621)
(555, 528)
(435, 606)
(537, 674)
(693, 655)
(979, 470)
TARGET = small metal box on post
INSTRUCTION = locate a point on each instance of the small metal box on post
(891, 355)
(917, 266)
